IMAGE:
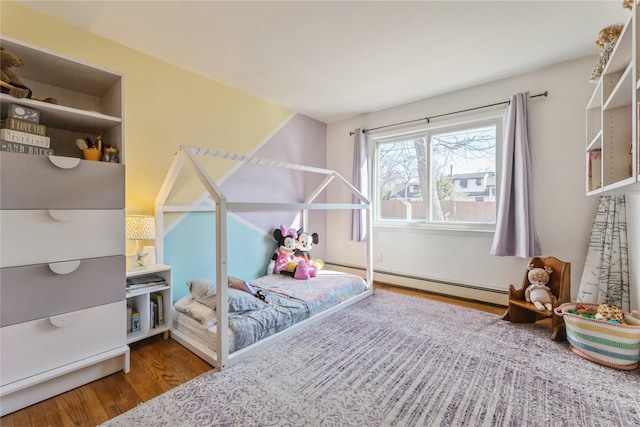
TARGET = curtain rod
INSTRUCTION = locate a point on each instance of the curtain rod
(428, 119)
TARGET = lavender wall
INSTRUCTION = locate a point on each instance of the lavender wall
(301, 140)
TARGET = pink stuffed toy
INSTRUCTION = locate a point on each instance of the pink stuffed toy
(284, 256)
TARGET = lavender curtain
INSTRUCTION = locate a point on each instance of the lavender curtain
(515, 226)
(360, 181)
(605, 278)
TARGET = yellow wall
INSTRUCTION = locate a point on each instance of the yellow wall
(165, 105)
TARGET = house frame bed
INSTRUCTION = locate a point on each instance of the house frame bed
(188, 155)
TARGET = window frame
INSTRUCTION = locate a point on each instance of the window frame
(424, 130)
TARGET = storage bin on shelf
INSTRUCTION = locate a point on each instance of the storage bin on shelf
(614, 345)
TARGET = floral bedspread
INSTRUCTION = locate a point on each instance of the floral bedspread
(319, 293)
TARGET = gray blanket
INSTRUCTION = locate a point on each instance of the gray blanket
(251, 326)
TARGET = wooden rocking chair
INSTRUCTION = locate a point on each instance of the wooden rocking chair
(521, 311)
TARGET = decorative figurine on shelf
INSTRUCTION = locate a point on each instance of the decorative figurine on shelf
(10, 83)
(607, 38)
(137, 260)
(110, 154)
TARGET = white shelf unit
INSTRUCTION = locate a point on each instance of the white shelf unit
(72, 333)
(594, 140)
(612, 118)
(89, 98)
(140, 299)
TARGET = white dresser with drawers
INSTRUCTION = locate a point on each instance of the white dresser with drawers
(62, 276)
(62, 238)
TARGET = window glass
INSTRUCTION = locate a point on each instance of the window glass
(444, 176)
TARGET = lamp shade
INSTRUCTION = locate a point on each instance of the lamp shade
(140, 227)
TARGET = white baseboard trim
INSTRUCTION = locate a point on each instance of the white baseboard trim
(458, 290)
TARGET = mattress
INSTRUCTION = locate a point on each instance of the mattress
(245, 328)
(289, 302)
(197, 331)
(319, 293)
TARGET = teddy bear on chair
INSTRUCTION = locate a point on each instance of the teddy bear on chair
(538, 292)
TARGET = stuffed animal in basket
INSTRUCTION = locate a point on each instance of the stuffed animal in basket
(610, 313)
(607, 38)
(304, 244)
(284, 258)
(538, 292)
(10, 83)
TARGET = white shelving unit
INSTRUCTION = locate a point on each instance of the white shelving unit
(90, 100)
(63, 240)
(140, 299)
(612, 117)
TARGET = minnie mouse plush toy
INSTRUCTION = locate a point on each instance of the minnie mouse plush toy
(284, 256)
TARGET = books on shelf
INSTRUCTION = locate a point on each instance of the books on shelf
(157, 299)
(19, 135)
(24, 138)
(135, 322)
(24, 113)
(153, 311)
(145, 281)
(26, 126)
(14, 147)
(129, 313)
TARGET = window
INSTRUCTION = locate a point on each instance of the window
(442, 176)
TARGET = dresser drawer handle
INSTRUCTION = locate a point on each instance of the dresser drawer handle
(64, 162)
(65, 267)
(63, 320)
(62, 215)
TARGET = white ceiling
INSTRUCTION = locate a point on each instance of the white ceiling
(334, 59)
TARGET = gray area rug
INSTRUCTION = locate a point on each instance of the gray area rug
(395, 360)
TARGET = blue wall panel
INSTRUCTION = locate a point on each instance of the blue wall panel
(190, 249)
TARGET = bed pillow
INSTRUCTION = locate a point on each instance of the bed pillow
(190, 306)
(204, 291)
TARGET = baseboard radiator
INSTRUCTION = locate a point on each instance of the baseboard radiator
(457, 290)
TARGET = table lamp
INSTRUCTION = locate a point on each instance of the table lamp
(139, 227)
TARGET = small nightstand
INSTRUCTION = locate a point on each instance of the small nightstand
(140, 300)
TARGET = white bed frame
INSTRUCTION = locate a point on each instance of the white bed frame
(189, 155)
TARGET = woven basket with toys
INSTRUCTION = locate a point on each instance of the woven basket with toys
(602, 333)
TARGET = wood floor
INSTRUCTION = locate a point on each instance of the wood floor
(156, 366)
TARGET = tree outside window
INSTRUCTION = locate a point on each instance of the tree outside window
(448, 175)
